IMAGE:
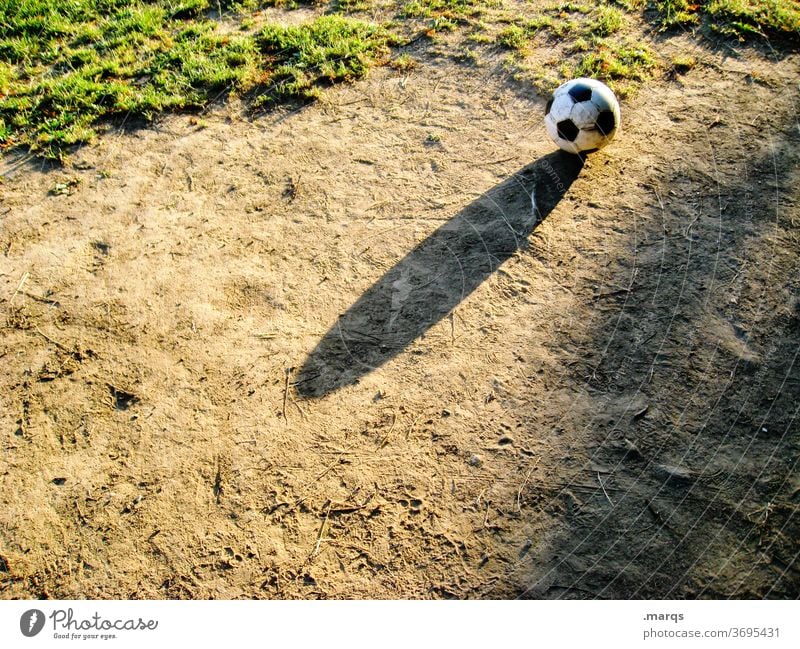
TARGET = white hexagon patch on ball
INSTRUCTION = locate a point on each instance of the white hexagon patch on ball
(582, 116)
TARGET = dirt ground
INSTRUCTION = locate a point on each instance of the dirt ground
(331, 353)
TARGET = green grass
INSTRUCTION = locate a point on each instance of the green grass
(450, 9)
(599, 39)
(514, 38)
(624, 65)
(587, 38)
(404, 63)
(328, 50)
(682, 63)
(761, 17)
(607, 21)
(352, 6)
(66, 67)
(674, 13)
(740, 18)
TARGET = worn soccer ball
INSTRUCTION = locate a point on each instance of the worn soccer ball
(582, 116)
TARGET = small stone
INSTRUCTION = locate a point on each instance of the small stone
(475, 460)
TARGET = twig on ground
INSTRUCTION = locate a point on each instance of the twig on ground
(287, 372)
(524, 484)
(299, 409)
(39, 298)
(322, 530)
(301, 499)
(24, 279)
(602, 486)
(63, 348)
(385, 439)
(413, 423)
(347, 508)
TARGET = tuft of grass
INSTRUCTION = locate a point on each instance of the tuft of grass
(84, 66)
(443, 24)
(306, 57)
(481, 33)
(761, 17)
(278, 4)
(570, 7)
(683, 63)
(513, 38)
(444, 15)
(404, 63)
(676, 13)
(521, 32)
(352, 6)
(630, 5)
(608, 20)
(740, 18)
(623, 65)
(7, 75)
(588, 39)
(450, 9)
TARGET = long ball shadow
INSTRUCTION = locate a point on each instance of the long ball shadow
(436, 276)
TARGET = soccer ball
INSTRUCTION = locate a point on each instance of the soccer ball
(582, 116)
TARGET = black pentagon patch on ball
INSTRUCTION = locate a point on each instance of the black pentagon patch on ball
(567, 130)
(549, 106)
(580, 92)
(605, 122)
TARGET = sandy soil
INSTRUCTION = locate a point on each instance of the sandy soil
(332, 353)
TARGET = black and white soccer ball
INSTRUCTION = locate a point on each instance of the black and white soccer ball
(582, 116)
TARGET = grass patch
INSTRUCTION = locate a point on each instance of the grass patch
(352, 6)
(252, 5)
(563, 21)
(683, 63)
(588, 39)
(514, 38)
(739, 18)
(65, 67)
(69, 66)
(622, 64)
(404, 63)
(676, 13)
(608, 20)
(306, 57)
(450, 9)
(759, 17)
(630, 5)
(599, 39)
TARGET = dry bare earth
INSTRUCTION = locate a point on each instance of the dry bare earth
(603, 405)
